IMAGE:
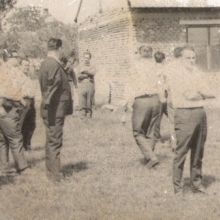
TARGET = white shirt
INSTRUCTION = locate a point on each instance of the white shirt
(145, 79)
(15, 84)
(180, 82)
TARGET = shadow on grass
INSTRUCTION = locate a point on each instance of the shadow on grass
(5, 180)
(69, 169)
(33, 161)
(206, 182)
(38, 148)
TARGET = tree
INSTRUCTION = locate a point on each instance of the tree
(5, 7)
(30, 30)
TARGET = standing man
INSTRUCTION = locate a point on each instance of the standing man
(188, 89)
(28, 117)
(12, 93)
(86, 86)
(146, 105)
(159, 66)
(54, 106)
(71, 76)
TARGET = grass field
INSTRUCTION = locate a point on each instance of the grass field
(106, 179)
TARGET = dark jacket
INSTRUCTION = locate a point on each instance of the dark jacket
(55, 89)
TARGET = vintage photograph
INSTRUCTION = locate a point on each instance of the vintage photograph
(109, 109)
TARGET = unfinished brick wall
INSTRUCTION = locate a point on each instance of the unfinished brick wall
(161, 28)
(108, 37)
(113, 38)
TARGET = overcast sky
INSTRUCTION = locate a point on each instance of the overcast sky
(65, 10)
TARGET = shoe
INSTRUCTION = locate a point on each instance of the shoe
(153, 163)
(200, 190)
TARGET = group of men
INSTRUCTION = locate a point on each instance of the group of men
(181, 88)
(17, 106)
(178, 89)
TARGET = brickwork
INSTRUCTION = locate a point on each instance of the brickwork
(113, 38)
(161, 28)
(108, 38)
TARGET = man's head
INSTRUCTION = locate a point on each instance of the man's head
(25, 66)
(188, 57)
(146, 51)
(54, 44)
(87, 57)
(177, 52)
(11, 58)
(63, 61)
(159, 57)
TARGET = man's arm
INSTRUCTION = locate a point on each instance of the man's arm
(54, 79)
(73, 76)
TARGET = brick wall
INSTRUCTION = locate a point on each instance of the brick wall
(161, 28)
(113, 38)
(108, 37)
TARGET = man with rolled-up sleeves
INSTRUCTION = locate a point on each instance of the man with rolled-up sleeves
(86, 92)
(144, 89)
(189, 90)
(12, 104)
(55, 103)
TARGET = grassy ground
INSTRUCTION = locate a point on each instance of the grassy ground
(106, 179)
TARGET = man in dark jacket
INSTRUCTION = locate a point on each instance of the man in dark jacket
(54, 106)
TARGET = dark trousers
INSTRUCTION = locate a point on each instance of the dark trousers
(191, 131)
(54, 137)
(163, 110)
(86, 97)
(144, 118)
(11, 137)
(28, 122)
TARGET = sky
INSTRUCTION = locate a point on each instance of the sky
(65, 10)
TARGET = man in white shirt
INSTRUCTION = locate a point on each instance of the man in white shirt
(188, 90)
(12, 93)
(144, 89)
(28, 118)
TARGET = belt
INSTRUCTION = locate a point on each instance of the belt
(145, 96)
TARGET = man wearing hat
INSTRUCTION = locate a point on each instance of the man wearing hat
(56, 96)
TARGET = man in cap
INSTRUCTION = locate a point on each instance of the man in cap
(54, 106)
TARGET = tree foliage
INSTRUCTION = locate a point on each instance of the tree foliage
(28, 29)
(5, 6)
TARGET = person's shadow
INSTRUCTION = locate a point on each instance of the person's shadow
(5, 180)
(69, 169)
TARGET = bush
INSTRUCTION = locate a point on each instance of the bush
(28, 30)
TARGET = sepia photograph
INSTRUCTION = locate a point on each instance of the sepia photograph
(109, 109)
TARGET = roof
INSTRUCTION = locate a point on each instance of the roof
(174, 3)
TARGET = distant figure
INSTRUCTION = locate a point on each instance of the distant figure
(56, 96)
(28, 118)
(189, 91)
(86, 86)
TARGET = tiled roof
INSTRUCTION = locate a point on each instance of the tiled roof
(174, 3)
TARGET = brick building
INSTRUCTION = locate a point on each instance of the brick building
(113, 35)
